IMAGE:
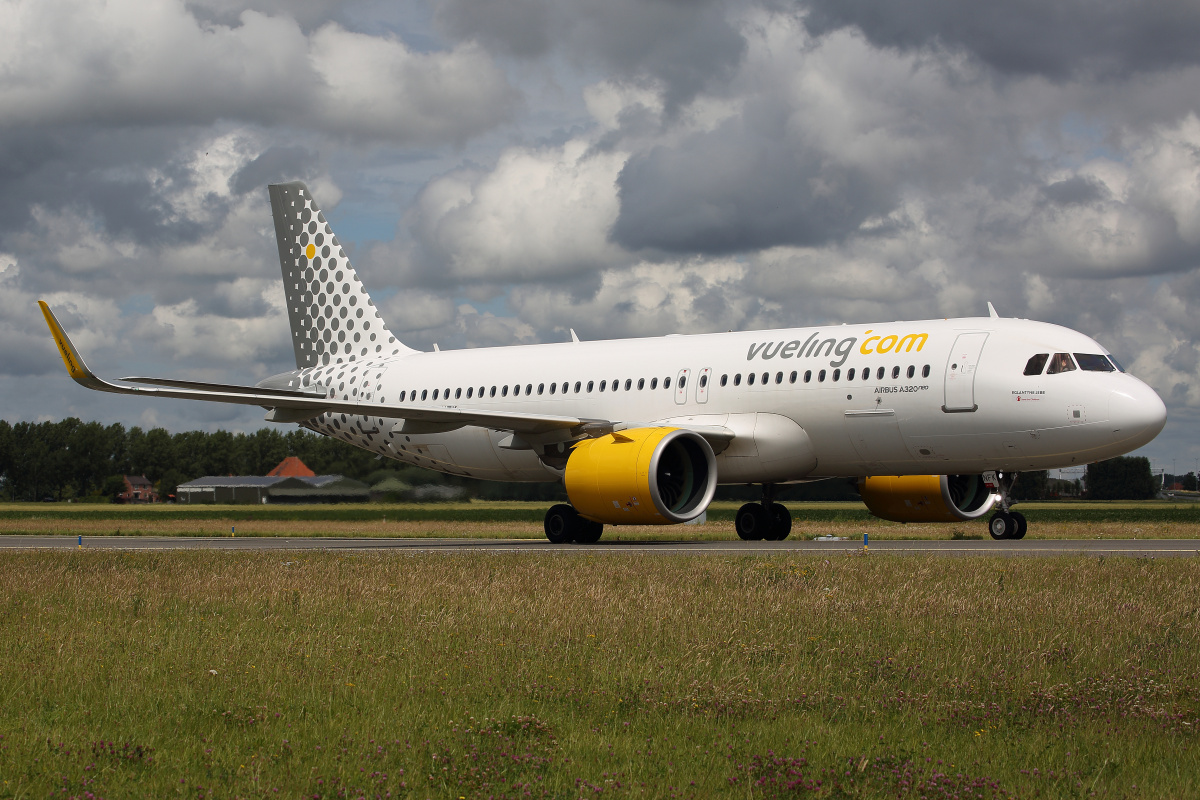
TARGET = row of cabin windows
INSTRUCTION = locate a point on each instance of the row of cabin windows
(1062, 362)
(555, 388)
(836, 375)
(579, 386)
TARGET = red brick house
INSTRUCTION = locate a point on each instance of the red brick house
(137, 490)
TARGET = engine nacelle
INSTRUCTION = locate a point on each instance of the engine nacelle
(927, 498)
(642, 476)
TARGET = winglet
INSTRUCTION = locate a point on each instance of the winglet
(70, 356)
(574, 338)
(992, 311)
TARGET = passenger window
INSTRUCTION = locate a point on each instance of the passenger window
(737, 379)
(724, 379)
(837, 373)
(517, 390)
(402, 396)
(424, 393)
(603, 385)
(641, 383)
(628, 384)
(590, 386)
(879, 374)
(750, 379)
(779, 377)
(911, 370)
(850, 374)
(792, 377)
(481, 391)
(895, 373)
(1036, 363)
(528, 388)
(552, 387)
(577, 387)
(1090, 362)
(807, 375)
(1060, 362)
(541, 388)
(821, 376)
(666, 383)
(766, 377)
(457, 393)
(682, 381)
(654, 383)
(504, 390)
(492, 392)
(435, 394)
(703, 381)
(925, 371)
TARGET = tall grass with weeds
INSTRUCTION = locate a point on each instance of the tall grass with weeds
(201, 674)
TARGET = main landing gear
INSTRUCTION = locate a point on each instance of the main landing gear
(766, 520)
(1005, 524)
(564, 525)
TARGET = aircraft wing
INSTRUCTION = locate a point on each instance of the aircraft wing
(297, 406)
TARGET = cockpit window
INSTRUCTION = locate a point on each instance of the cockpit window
(1035, 365)
(1092, 362)
(1116, 363)
(1060, 362)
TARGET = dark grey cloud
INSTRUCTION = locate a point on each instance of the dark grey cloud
(746, 185)
(1059, 40)
(277, 164)
(686, 45)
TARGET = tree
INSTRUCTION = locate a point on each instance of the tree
(1034, 485)
(1121, 478)
(1189, 482)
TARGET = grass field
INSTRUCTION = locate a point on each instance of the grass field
(205, 674)
(1158, 520)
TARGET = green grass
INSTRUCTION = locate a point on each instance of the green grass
(234, 674)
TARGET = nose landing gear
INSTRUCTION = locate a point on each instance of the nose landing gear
(1005, 524)
(766, 520)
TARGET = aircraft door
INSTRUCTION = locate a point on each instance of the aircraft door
(702, 385)
(960, 372)
(681, 382)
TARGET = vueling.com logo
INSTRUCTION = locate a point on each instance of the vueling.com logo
(816, 347)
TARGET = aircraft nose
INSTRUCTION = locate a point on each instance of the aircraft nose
(1137, 413)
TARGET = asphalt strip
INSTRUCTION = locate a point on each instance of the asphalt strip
(1138, 548)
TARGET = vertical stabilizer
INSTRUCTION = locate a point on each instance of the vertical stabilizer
(333, 318)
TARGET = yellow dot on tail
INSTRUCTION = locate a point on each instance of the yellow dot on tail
(311, 250)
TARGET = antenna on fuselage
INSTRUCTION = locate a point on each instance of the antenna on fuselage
(992, 311)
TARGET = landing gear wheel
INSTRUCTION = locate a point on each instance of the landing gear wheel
(1022, 525)
(751, 522)
(781, 522)
(1002, 525)
(588, 532)
(562, 524)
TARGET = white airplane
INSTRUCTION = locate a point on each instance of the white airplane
(934, 418)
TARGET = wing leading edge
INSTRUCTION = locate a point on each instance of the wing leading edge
(293, 406)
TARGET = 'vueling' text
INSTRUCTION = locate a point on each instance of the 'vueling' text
(816, 347)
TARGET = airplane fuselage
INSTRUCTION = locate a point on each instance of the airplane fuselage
(925, 397)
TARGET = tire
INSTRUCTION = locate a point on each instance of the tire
(751, 522)
(1022, 525)
(561, 524)
(781, 522)
(588, 532)
(1002, 525)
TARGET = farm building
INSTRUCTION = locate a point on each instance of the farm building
(290, 482)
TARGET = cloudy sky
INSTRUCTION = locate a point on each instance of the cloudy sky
(501, 171)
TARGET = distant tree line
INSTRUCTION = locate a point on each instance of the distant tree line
(73, 459)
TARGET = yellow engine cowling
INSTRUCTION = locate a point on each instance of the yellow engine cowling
(927, 498)
(642, 476)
